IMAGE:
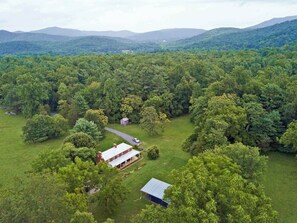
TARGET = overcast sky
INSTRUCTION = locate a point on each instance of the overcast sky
(139, 15)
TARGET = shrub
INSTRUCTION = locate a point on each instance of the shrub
(153, 153)
(88, 127)
(80, 139)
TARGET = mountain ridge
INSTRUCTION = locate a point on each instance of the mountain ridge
(272, 22)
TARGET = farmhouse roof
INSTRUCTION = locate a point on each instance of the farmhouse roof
(116, 150)
(123, 158)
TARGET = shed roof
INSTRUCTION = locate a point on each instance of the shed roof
(155, 188)
(125, 119)
(112, 152)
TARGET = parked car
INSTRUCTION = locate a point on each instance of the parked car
(136, 140)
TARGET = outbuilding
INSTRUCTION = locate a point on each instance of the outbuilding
(154, 191)
(124, 121)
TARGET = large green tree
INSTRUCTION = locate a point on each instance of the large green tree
(98, 117)
(152, 121)
(210, 188)
(289, 138)
(88, 127)
(43, 127)
(41, 198)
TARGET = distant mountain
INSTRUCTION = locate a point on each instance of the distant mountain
(272, 22)
(207, 35)
(19, 47)
(166, 35)
(153, 36)
(97, 44)
(78, 33)
(67, 43)
(272, 36)
(6, 36)
(36, 43)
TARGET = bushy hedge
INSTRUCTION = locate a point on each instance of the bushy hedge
(153, 153)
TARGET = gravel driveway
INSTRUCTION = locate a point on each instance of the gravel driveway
(125, 136)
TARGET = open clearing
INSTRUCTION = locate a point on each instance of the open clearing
(136, 176)
(280, 179)
(16, 156)
(281, 185)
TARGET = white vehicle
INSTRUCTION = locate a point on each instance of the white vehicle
(136, 140)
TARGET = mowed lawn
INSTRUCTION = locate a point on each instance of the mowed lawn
(16, 156)
(136, 176)
(281, 185)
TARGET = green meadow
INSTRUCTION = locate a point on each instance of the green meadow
(15, 160)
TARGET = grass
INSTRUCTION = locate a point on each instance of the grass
(16, 156)
(281, 185)
(136, 176)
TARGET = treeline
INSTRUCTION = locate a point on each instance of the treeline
(245, 96)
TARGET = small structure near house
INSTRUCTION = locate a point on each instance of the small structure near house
(10, 113)
(154, 191)
(119, 156)
(124, 121)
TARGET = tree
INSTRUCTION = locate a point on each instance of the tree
(77, 108)
(83, 217)
(88, 127)
(112, 99)
(43, 127)
(112, 192)
(50, 161)
(210, 188)
(84, 153)
(272, 97)
(42, 198)
(153, 153)
(252, 164)
(83, 176)
(152, 122)
(263, 127)
(109, 220)
(80, 139)
(130, 107)
(219, 122)
(98, 117)
(32, 92)
(80, 176)
(289, 138)
(61, 126)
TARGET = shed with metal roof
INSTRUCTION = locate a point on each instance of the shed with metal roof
(154, 191)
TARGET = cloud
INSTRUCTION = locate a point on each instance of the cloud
(139, 15)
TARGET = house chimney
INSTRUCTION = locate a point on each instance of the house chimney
(115, 145)
(99, 157)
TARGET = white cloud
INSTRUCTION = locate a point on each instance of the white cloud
(139, 15)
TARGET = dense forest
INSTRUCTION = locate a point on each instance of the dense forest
(239, 101)
(245, 96)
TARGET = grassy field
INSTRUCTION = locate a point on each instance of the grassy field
(280, 180)
(136, 176)
(16, 156)
(281, 185)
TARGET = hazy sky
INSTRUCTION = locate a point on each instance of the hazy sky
(139, 15)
